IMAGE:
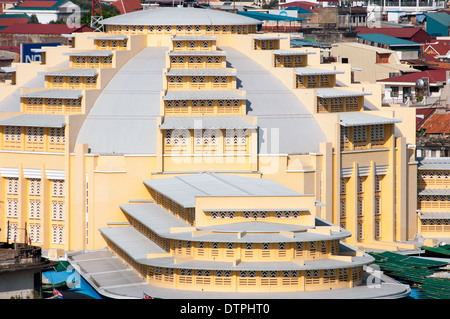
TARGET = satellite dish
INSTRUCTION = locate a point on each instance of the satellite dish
(420, 83)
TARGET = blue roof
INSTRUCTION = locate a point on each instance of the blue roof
(440, 17)
(299, 10)
(268, 17)
(387, 40)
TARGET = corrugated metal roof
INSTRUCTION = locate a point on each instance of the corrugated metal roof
(435, 163)
(109, 37)
(280, 113)
(73, 72)
(123, 119)
(434, 191)
(55, 93)
(135, 244)
(332, 92)
(292, 52)
(154, 217)
(180, 16)
(387, 40)
(434, 215)
(200, 72)
(90, 53)
(311, 71)
(205, 122)
(198, 53)
(194, 37)
(365, 118)
(35, 120)
(184, 188)
(203, 95)
(268, 37)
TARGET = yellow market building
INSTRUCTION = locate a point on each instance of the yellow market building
(207, 155)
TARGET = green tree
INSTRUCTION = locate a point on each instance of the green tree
(33, 19)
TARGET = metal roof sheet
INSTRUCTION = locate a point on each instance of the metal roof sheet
(203, 95)
(435, 163)
(73, 72)
(180, 16)
(154, 217)
(35, 120)
(109, 37)
(198, 53)
(90, 53)
(434, 191)
(205, 122)
(292, 52)
(138, 246)
(184, 188)
(365, 118)
(333, 92)
(434, 215)
(135, 244)
(200, 72)
(280, 113)
(194, 37)
(55, 93)
(311, 71)
(123, 119)
(387, 40)
(269, 37)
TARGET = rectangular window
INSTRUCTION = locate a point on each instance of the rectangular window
(35, 134)
(12, 208)
(57, 234)
(58, 187)
(12, 185)
(58, 210)
(34, 209)
(35, 186)
(359, 133)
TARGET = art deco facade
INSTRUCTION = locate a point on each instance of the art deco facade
(207, 155)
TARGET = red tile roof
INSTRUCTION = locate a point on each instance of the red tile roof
(440, 49)
(433, 76)
(438, 123)
(127, 6)
(425, 113)
(37, 4)
(31, 28)
(5, 21)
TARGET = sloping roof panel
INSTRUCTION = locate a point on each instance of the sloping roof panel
(180, 16)
(54, 93)
(365, 118)
(184, 188)
(387, 40)
(35, 120)
(205, 122)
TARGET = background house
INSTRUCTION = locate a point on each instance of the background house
(437, 23)
(433, 134)
(405, 88)
(415, 34)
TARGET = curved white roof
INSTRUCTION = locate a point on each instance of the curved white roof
(180, 16)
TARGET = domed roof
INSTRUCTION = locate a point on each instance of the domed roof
(180, 16)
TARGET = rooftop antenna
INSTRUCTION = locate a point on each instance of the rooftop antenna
(96, 16)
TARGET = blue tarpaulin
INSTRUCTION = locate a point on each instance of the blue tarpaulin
(268, 17)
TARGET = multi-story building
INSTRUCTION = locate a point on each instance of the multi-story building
(433, 198)
(207, 155)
